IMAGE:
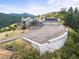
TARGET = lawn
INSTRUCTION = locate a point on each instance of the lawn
(10, 34)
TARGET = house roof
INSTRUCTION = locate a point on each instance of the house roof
(27, 19)
(45, 33)
(52, 19)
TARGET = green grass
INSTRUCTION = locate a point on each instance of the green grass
(10, 34)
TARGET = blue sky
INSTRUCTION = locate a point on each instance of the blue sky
(35, 6)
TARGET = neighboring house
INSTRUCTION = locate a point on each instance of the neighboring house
(47, 38)
(52, 21)
(27, 22)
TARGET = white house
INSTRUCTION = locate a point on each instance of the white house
(47, 38)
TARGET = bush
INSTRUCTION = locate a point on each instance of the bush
(23, 27)
(6, 35)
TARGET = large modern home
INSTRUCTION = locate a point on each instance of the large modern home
(50, 37)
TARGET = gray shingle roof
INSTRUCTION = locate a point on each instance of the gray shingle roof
(52, 19)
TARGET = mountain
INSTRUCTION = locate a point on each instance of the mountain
(22, 15)
(8, 19)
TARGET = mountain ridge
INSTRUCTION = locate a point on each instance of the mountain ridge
(8, 19)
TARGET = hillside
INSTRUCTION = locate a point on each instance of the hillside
(52, 15)
(7, 19)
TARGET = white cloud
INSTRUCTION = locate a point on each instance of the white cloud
(64, 3)
(53, 5)
(67, 1)
(13, 9)
(10, 9)
(38, 10)
(30, 9)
